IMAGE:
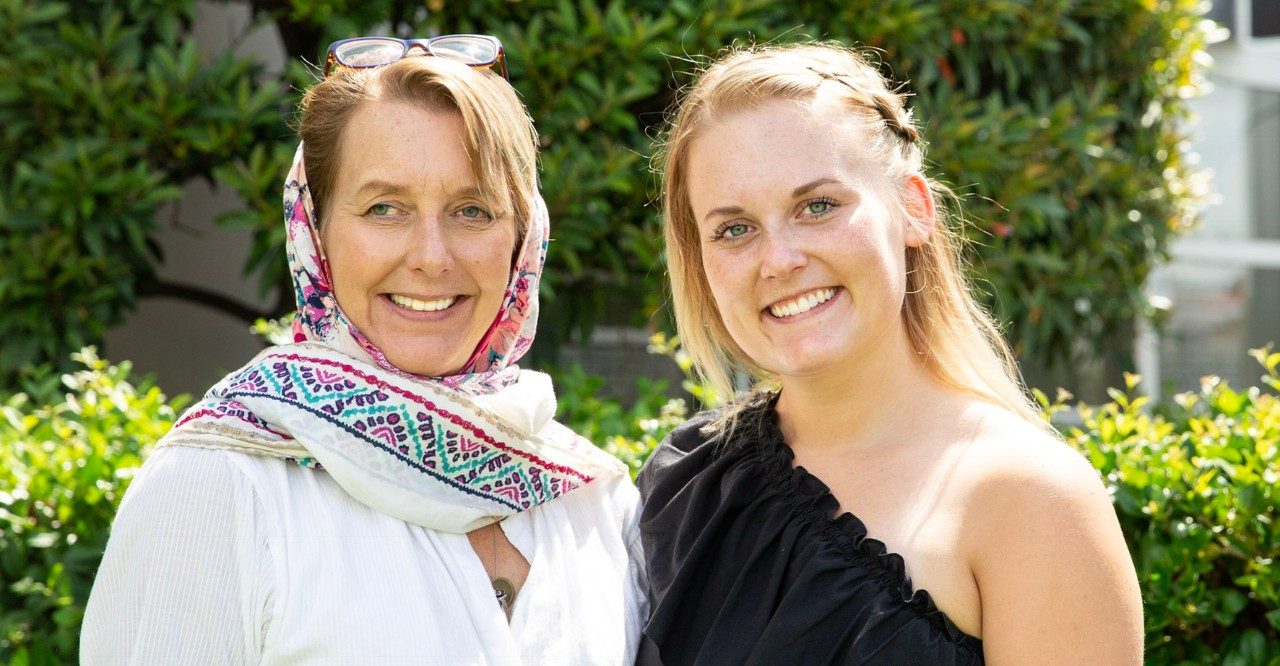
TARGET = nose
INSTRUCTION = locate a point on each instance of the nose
(783, 254)
(428, 249)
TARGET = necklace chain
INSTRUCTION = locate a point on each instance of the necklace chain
(503, 589)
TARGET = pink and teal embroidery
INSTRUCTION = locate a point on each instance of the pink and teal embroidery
(229, 410)
(418, 431)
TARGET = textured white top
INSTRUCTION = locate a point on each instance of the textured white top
(220, 557)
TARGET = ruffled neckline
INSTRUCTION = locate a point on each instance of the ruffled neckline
(813, 500)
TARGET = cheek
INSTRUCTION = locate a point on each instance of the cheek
(731, 286)
(885, 250)
(337, 250)
(356, 258)
(490, 256)
(865, 252)
(716, 274)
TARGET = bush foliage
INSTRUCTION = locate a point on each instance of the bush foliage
(629, 434)
(1195, 484)
(106, 109)
(1059, 120)
(64, 465)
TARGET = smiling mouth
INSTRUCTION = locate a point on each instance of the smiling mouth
(802, 303)
(422, 306)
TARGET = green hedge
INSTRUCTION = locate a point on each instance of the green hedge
(1195, 484)
(64, 465)
(1061, 121)
(106, 109)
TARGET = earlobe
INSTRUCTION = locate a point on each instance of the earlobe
(922, 215)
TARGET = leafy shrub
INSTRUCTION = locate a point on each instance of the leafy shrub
(1061, 120)
(64, 466)
(106, 109)
(629, 434)
(1196, 484)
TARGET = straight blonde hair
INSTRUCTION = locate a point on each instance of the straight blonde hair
(955, 339)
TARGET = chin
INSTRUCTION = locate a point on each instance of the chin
(422, 364)
(793, 368)
(821, 350)
(810, 361)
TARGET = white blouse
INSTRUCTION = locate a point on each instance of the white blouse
(220, 557)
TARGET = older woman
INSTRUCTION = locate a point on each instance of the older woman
(889, 449)
(390, 485)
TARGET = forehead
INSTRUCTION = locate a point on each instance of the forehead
(404, 143)
(762, 149)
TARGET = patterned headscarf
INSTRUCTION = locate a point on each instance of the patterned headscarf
(451, 453)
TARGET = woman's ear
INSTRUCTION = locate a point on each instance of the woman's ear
(922, 216)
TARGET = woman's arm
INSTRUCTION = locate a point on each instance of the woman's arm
(185, 577)
(1056, 580)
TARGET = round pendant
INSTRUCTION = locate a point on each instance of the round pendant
(505, 592)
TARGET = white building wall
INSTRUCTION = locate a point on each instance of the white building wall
(1221, 282)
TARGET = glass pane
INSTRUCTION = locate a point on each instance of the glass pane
(1224, 290)
(1266, 18)
(370, 52)
(472, 50)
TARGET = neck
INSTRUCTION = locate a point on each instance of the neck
(883, 391)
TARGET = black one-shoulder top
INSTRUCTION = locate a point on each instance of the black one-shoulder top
(748, 563)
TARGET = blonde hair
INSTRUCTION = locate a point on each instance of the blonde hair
(500, 140)
(954, 337)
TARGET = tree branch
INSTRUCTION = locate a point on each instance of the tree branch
(202, 296)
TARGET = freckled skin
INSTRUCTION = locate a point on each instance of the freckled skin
(1009, 529)
(426, 233)
(841, 234)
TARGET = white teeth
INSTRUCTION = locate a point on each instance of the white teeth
(802, 304)
(422, 306)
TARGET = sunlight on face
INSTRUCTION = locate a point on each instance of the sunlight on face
(802, 251)
(420, 261)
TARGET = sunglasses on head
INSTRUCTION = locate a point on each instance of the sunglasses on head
(364, 52)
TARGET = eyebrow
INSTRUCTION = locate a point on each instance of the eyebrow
(724, 211)
(386, 186)
(798, 192)
(811, 186)
(381, 186)
(469, 191)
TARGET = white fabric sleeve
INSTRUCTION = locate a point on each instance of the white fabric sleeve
(636, 572)
(186, 576)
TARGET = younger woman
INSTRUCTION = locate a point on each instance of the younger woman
(889, 448)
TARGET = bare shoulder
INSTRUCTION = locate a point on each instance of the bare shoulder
(1055, 577)
(1026, 487)
(1013, 462)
